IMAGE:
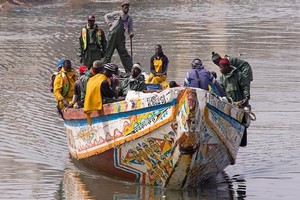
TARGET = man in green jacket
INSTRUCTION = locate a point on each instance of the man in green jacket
(135, 82)
(92, 42)
(238, 63)
(234, 83)
(119, 22)
(95, 69)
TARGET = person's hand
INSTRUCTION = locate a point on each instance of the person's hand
(71, 105)
(65, 102)
(131, 35)
(245, 102)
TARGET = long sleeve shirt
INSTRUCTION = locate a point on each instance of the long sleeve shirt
(113, 19)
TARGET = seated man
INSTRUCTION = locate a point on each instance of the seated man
(95, 69)
(135, 82)
(64, 85)
(76, 101)
(98, 90)
(158, 66)
(199, 77)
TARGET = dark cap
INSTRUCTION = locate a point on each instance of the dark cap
(125, 3)
(111, 67)
(91, 18)
(196, 63)
(215, 57)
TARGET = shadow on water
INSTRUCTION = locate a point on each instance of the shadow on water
(79, 182)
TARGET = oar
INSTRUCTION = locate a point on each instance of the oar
(131, 48)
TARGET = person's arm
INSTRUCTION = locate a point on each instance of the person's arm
(165, 65)
(110, 17)
(245, 86)
(57, 90)
(106, 90)
(152, 70)
(186, 82)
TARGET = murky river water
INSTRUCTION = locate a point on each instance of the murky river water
(34, 161)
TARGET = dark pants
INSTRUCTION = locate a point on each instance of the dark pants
(116, 40)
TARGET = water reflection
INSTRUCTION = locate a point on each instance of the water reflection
(82, 185)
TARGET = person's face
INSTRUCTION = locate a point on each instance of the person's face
(91, 23)
(68, 66)
(107, 73)
(224, 69)
(135, 72)
(217, 61)
(125, 9)
(158, 49)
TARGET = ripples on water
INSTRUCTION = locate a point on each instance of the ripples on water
(34, 161)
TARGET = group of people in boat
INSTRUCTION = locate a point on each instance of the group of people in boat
(101, 82)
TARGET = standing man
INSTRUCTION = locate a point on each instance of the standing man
(119, 22)
(92, 42)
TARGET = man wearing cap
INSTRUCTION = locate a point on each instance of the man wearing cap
(92, 42)
(76, 101)
(64, 85)
(59, 65)
(238, 63)
(234, 83)
(98, 90)
(95, 69)
(199, 77)
(119, 22)
(135, 82)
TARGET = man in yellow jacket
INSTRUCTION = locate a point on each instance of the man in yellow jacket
(98, 88)
(64, 85)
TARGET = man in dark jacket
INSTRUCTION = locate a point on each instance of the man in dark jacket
(235, 84)
(92, 43)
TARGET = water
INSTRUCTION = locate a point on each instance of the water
(34, 161)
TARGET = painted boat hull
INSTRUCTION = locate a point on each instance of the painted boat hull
(177, 138)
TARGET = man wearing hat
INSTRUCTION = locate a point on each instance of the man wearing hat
(135, 82)
(76, 101)
(199, 77)
(95, 69)
(238, 63)
(119, 22)
(92, 42)
(98, 90)
(234, 83)
(64, 85)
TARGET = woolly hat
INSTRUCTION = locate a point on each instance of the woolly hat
(215, 57)
(60, 63)
(224, 61)
(137, 65)
(111, 67)
(82, 69)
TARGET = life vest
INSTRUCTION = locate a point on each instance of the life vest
(66, 84)
(158, 64)
(84, 37)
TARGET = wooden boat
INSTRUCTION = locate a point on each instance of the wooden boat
(177, 138)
